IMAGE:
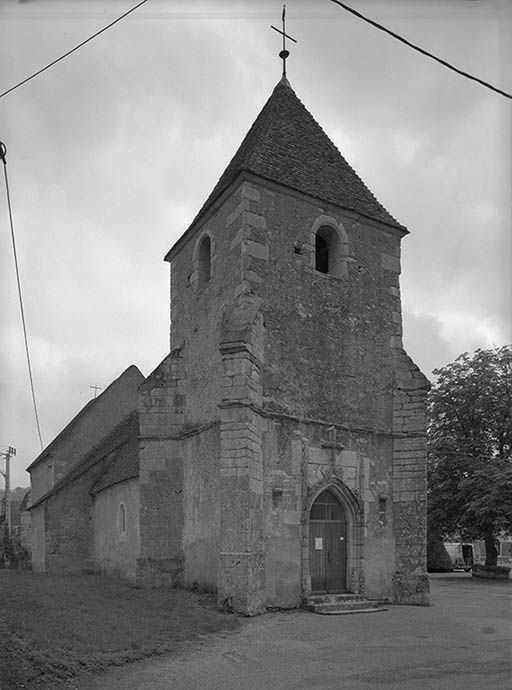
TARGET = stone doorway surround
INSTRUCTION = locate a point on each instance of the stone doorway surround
(355, 522)
(328, 545)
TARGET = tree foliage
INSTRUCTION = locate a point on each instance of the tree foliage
(438, 558)
(470, 448)
(12, 553)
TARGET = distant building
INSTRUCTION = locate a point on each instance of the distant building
(280, 449)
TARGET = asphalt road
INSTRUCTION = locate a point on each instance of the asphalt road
(462, 641)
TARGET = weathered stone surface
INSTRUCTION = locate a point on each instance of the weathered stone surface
(286, 379)
(70, 535)
(411, 588)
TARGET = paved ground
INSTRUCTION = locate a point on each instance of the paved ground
(462, 641)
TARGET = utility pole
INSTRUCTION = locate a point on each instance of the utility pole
(7, 477)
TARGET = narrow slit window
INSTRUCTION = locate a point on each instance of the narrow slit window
(322, 254)
(204, 261)
(122, 519)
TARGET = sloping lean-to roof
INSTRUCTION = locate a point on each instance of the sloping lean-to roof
(124, 465)
(120, 450)
(286, 145)
(70, 427)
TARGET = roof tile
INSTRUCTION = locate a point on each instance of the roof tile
(286, 145)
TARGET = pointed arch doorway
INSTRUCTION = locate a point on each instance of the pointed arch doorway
(328, 544)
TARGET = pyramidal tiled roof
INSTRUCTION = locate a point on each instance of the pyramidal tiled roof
(286, 145)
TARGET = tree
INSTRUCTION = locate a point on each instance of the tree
(438, 558)
(470, 448)
(6, 548)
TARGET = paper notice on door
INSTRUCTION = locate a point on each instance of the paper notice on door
(319, 543)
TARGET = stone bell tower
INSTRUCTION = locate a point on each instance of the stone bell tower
(285, 432)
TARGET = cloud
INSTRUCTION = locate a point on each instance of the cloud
(425, 341)
(113, 151)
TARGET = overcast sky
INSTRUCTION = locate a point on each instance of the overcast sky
(112, 152)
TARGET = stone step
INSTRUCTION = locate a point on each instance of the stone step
(342, 611)
(339, 604)
(332, 598)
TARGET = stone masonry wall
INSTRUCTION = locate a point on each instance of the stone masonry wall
(270, 339)
(179, 483)
(218, 333)
(197, 311)
(161, 474)
(201, 453)
(327, 346)
(303, 457)
(410, 482)
(69, 523)
(241, 582)
(329, 353)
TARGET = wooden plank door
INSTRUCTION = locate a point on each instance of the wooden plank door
(317, 560)
(328, 545)
(336, 557)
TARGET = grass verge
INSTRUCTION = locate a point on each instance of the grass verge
(60, 627)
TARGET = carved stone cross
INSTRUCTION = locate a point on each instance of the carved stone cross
(333, 444)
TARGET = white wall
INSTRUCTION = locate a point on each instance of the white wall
(116, 553)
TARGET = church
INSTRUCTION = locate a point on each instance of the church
(279, 450)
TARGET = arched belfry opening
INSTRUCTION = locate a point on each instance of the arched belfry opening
(328, 544)
(321, 254)
(204, 261)
(330, 251)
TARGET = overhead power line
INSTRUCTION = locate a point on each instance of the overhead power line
(3, 151)
(54, 62)
(421, 50)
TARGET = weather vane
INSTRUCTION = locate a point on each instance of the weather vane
(284, 53)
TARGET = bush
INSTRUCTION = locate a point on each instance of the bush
(438, 560)
(492, 572)
(13, 554)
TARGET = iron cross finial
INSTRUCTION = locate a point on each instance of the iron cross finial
(96, 389)
(284, 53)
